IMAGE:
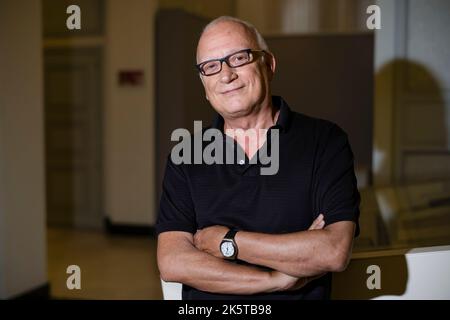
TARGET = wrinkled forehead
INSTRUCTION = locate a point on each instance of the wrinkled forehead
(224, 38)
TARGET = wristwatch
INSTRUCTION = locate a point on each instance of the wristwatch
(228, 246)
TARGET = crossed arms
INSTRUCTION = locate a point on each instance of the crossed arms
(295, 258)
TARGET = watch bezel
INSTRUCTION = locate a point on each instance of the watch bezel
(233, 244)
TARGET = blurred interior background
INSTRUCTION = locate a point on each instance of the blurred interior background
(86, 117)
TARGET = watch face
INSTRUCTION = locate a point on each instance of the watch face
(227, 249)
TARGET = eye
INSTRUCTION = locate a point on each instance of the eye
(211, 66)
(239, 58)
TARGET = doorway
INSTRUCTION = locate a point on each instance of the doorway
(73, 129)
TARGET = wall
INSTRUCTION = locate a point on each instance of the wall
(384, 95)
(276, 17)
(129, 193)
(175, 73)
(323, 67)
(22, 200)
(205, 8)
(412, 100)
(422, 91)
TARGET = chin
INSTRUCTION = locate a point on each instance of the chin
(236, 111)
(235, 107)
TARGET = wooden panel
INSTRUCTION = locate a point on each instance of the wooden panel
(425, 166)
(420, 196)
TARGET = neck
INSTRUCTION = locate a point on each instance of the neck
(263, 118)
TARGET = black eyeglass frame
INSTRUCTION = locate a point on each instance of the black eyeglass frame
(255, 54)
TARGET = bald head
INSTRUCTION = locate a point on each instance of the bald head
(234, 26)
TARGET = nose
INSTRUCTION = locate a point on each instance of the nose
(227, 74)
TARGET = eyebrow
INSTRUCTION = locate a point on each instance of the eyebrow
(231, 52)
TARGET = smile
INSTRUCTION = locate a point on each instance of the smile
(232, 90)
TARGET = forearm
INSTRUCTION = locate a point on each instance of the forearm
(186, 264)
(299, 254)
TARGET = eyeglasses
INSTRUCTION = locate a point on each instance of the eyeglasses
(234, 60)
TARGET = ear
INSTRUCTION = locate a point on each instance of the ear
(271, 64)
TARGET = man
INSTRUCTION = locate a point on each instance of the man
(228, 232)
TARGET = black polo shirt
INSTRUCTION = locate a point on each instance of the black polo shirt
(315, 175)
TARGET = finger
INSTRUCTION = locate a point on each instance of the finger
(316, 222)
(196, 238)
(321, 225)
(313, 226)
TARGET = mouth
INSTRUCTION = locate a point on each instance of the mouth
(232, 90)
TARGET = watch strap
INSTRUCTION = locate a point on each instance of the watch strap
(231, 234)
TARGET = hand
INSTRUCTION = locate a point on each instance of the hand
(285, 282)
(318, 224)
(209, 239)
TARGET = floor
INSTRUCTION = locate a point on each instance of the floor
(112, 267)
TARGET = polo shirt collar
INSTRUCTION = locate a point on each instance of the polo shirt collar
(282, 121)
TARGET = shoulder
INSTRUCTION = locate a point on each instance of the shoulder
(320, 130)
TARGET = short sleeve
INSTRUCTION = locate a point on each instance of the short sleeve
(335, 192)
(176, 209)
